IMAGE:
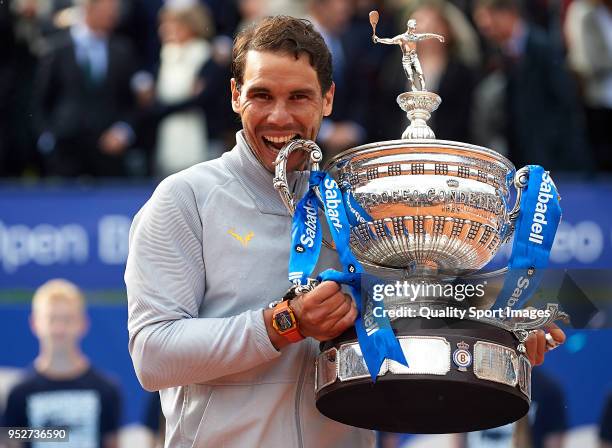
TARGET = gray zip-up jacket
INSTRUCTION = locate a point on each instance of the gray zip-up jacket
(208, 252)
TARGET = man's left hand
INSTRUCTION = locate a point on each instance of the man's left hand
(536, 343)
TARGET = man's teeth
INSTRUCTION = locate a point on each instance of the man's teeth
(284, 139)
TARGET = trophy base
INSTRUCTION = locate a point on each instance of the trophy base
(462, 376)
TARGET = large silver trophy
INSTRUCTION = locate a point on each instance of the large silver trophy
(439, 210)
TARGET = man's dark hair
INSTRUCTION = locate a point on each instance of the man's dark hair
(287, 35)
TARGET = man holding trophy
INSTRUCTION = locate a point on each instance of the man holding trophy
(211, 325)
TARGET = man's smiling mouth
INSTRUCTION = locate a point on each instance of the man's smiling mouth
(277, 142)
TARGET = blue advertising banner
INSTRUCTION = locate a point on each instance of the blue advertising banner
(74, 232)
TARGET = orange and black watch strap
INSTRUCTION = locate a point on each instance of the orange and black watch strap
(285, 323)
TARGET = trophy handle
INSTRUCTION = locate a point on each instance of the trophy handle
(521, 330)
(280, 178)
(521, 180)
(554, 314)
(280, 175)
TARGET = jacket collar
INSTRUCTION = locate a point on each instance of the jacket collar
(258, 181)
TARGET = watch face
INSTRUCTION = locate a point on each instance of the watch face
(283, 320)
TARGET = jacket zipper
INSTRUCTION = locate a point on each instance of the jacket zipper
(298, 396)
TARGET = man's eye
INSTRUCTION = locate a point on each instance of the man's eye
(299, 96)
(262, 96)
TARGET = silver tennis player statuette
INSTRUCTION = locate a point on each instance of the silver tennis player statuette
(419, 103)
(408, 43)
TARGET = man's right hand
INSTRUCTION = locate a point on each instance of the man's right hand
(325, 312)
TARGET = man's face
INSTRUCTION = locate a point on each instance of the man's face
(173, 31)
(280, 99)
(496, 25)
(102, 15)
(59, 325)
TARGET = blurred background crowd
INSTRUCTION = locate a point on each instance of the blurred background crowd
(139, 89)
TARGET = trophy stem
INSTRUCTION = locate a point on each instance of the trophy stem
(418, 106)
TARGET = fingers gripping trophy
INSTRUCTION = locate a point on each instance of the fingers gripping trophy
(432, 213)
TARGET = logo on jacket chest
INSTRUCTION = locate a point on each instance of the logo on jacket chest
(244, 240)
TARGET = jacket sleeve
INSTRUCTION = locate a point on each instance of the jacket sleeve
(165, 278)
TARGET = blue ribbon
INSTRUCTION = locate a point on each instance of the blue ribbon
(375, 336)
(335, 212)
(355, 213)
(306, 239)
(536, 227)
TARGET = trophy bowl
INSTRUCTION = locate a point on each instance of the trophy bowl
(433, 203)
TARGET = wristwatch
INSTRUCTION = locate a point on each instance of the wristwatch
(285, 323)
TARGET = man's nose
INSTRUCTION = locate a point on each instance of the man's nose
(280, 114)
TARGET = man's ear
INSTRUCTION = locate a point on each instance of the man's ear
(235, 95)
(328, 100)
